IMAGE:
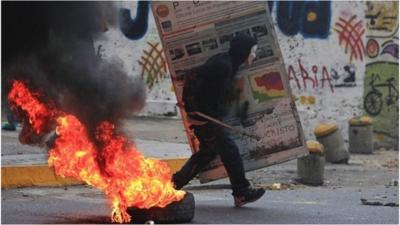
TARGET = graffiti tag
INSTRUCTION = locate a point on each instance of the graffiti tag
(350, 34)
(135, 28)
(153, 64)
(317, 77)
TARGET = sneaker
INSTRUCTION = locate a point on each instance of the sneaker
(178, 185)
(251, 195)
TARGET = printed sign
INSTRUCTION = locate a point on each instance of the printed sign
(193, 31)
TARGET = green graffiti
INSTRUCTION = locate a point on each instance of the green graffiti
(381, 96)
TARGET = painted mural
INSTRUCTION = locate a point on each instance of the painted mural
(381, 89)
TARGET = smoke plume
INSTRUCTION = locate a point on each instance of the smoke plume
(50, 45)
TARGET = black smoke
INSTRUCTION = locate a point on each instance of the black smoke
(50, 45)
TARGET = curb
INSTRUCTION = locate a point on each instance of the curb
(42, 175)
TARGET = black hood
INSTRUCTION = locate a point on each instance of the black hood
(240, 47)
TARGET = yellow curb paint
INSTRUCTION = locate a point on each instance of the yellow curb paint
(42, 175)
(175, 164)
(31, 175)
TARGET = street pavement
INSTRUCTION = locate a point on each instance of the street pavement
(312, 205)
(372, 177)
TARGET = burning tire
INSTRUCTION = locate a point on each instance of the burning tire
(176, 212)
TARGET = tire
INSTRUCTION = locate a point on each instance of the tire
(373, 103)
(176, 212)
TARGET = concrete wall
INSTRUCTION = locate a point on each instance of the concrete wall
(324, 45)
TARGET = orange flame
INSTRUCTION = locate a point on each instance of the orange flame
(127, 177)
(38, 114)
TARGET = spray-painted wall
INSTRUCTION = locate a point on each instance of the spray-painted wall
(381, 89)
(322, 44)
(325, 49)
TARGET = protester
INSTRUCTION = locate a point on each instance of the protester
(211, 93)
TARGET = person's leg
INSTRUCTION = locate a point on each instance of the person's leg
(232, 161)
(230, 156)
(199, 159)
(191, 168)
(10, 125)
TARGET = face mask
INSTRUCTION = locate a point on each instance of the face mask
(252, 55)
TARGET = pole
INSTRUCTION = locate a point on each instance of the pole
(241, 131)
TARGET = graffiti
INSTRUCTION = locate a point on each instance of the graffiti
(381, 93)
(351, 73)
(390, 48)
(320, 78)
(307, 100)
(153, 64)
(373, 100)
(309, 18)
(372, 48)
(381, 90)
(347, 79)
(382, 16)
(135, 28)
(381, 98)
(350, 33)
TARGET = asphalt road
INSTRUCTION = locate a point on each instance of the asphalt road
(337, 201)
(310, 205)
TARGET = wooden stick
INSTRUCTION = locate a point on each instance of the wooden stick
(241, 131)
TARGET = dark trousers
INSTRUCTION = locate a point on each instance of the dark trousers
(214, 140)
(9, 115)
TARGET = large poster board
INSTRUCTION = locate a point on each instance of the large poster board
(193, 31)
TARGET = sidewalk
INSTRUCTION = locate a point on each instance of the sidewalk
(23, 165)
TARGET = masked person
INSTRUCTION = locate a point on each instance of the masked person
(211, 90)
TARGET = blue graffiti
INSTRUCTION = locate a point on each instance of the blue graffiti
(310, 18)
(289, 16)
(135, 28)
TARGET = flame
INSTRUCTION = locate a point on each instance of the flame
(38, 114)
(114, 165)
